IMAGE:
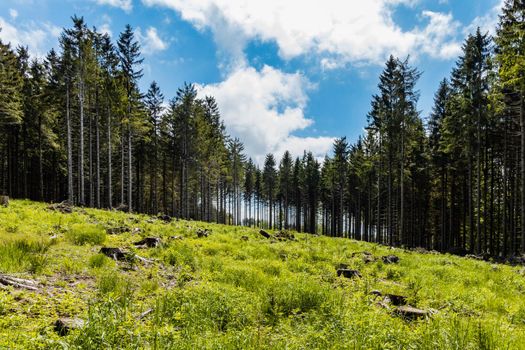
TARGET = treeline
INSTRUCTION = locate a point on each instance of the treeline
(75, 126)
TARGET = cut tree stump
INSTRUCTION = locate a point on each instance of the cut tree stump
(116, 254)
(411, 313)
(18, 282)
(165, 218)
(149, 242)
(265, 234)
(390, 259)
(203, 233)
(65, 325)
(394, 299)
(4, 201)
(244, 238)
(348, 273)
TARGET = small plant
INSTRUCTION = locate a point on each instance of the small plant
(23, 254)
(98, 260)
(81, 234)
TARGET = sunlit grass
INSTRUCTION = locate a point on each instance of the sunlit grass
(225, 292)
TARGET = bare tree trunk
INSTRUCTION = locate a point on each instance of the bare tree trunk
(522, 212)
(130, 172)
(90, 153)
(40, 160)
(122, 161)
(81, 151)
(70, 194)
(97, 155)
(110, 165)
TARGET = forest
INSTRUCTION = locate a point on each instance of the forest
(75, 126)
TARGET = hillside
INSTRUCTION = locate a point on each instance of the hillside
(232, 288)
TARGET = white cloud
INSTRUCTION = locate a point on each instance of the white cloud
(342, 31)
(264, 108)
(13, 13)
(125, 5)
(151, 42)
(105, 29)
(433, 38)
(486, 23)
(39, 38)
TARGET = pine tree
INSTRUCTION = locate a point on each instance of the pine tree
(129, 55)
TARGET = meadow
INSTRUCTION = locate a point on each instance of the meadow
(209, 286)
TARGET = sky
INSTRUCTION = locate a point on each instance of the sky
(287, 74)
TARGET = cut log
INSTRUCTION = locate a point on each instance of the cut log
(64, 207)
(4, 201)
(348, 273)
(265, 234)
(411, 313)
(18, 283)
(65, 325)
(149, 242)
(390, 259)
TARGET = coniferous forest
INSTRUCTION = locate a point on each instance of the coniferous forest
(75, 126)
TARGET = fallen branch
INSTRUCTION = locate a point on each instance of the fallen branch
(18, 282)
(144, 314)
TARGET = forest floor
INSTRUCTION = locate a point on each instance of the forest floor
(208, 286)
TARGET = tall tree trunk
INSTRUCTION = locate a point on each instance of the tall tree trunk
(522, 212)
(110, 164)
(130, 171)
(70, 194)
(81, 151)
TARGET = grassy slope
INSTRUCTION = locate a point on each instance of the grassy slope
(224, 292)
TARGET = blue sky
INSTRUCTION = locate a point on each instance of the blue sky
(288, 74)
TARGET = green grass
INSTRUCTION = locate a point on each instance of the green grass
(222, 292)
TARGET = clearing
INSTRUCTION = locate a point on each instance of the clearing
(171, 284)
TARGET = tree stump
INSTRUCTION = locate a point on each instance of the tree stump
(390, 259)
(149, 242)
(394, 299)
(165, 218)
(115, 253)
(203, 233)
(65, 325)
(348, 273)
(4, 201)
